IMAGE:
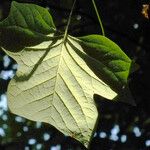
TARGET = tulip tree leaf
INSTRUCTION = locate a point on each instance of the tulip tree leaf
(58, 76)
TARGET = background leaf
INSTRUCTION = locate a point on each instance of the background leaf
(26, 25)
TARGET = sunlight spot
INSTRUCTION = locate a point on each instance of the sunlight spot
(6, 61)
(19, 119)
(1, 112)
(15, 66)
(78, 17)
(95, 134)
(46, 136)
(18, 134)
(26, 148)
(115, 130)
(57, 147)
(135, 26)
(102, 135)
(4, 117)
(25, 129)
(38, 125)
(137, 131)
(2, 132)
(147, 143)
(39, 146)
(114, 137)
(123, 138)
(5, 126)
(31, 141)
(3, 102)
(5, 75)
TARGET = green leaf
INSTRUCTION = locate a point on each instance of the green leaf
(113, 65)
(58, 76)
(29, 23)
(110, 64)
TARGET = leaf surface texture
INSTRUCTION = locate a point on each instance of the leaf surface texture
(58, 77)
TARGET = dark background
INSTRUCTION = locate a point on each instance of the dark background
(121, 126)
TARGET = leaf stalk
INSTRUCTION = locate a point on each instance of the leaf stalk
(69, 20)
(98, 16)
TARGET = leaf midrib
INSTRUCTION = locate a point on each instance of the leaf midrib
(55, 84)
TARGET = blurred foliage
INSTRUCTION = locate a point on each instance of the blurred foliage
(124, 24)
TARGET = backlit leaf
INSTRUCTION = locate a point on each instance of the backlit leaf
(58, 76)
